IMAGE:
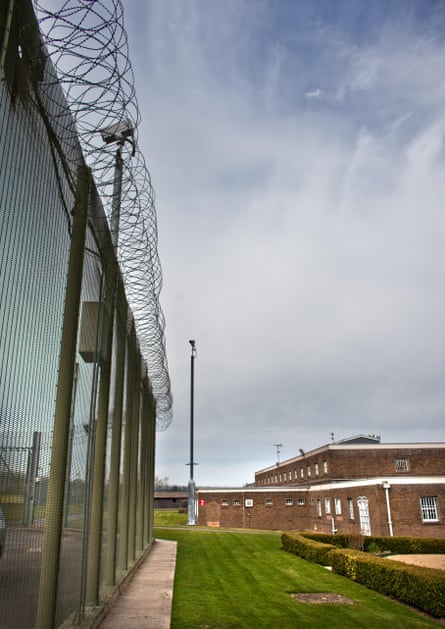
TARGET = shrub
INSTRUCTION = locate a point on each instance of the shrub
(407, 545)
(421, 587)
(398, 545)
(306, 548)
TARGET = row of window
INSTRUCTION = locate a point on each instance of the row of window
(428, 506)
(337, 507)
(289, 476)
(248, 502)
(401, 464)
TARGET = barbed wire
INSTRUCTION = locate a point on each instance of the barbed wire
(88, 45)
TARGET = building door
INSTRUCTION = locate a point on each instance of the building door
(363, 511)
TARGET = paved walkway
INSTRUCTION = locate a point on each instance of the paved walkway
(146, 601)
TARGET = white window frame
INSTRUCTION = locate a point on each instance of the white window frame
(268, 502)
(350, 508)
(236, 502)
(325, 467)
(289, 502)
(316, 469)
(319, 507)
(224, 502)
(301, 472)
(337, 505)
(327, 505)
(401, 464)
(301, 502)
(429, 509)
(308, 471)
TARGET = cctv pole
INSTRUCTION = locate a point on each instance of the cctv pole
(191, 510)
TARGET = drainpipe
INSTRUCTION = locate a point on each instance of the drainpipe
(386, 487)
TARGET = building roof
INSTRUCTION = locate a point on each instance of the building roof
(165, 495)
(352, 443)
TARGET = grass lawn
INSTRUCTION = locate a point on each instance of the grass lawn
(169, 517)
(229, 580)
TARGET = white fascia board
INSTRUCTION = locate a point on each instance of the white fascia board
(379, 480)
(329, 486)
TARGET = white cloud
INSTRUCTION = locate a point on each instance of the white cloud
(303, 250)
(314, 94)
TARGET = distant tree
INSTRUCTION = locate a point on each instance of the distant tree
(161, 483)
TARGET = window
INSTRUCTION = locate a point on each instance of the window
(295, 474)
(301, 502)
(350, 508)
(316, 469)
(401, 465)
(325, 467)
(318, 507)
(224, 502)
(268, 502)
(236, 502)
(301, 472)
(289, 502)
(308, 470)
(248, 502)
(428, 506)
(327, 506)
(337, 506)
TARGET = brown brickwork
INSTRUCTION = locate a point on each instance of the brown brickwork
(344, 480)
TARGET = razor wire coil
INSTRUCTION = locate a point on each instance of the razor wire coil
(88, 45)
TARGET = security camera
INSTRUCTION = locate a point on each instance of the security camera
(118, 132)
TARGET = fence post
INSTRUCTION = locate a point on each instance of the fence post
(97, 499)
(56, 484)
(125, 503)
(134, 459)
(142, 496)
(151, 467)
(115, 456)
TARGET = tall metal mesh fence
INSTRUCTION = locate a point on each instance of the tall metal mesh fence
(76, 452)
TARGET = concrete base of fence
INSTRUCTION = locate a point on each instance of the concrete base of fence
(143, 598)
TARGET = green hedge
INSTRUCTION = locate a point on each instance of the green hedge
(423, 588)
(409, 545)
(339, 540)
(314, 551)
(398, 545)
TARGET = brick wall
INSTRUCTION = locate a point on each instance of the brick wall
(298, 509)
(334, 462)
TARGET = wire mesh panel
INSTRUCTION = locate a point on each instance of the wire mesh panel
(59, 288)
(34, 239)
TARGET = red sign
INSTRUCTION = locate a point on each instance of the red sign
(202, 502)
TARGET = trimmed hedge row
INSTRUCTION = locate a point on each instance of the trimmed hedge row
(311, 550)
(398, 545)
(423, 588)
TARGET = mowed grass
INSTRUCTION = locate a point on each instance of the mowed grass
(229, 580)
(169, 517)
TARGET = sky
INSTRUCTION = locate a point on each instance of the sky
(296, 149)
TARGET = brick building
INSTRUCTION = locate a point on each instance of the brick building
(170, 500)
(358, 485)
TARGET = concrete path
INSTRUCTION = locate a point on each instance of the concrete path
(146, 601)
